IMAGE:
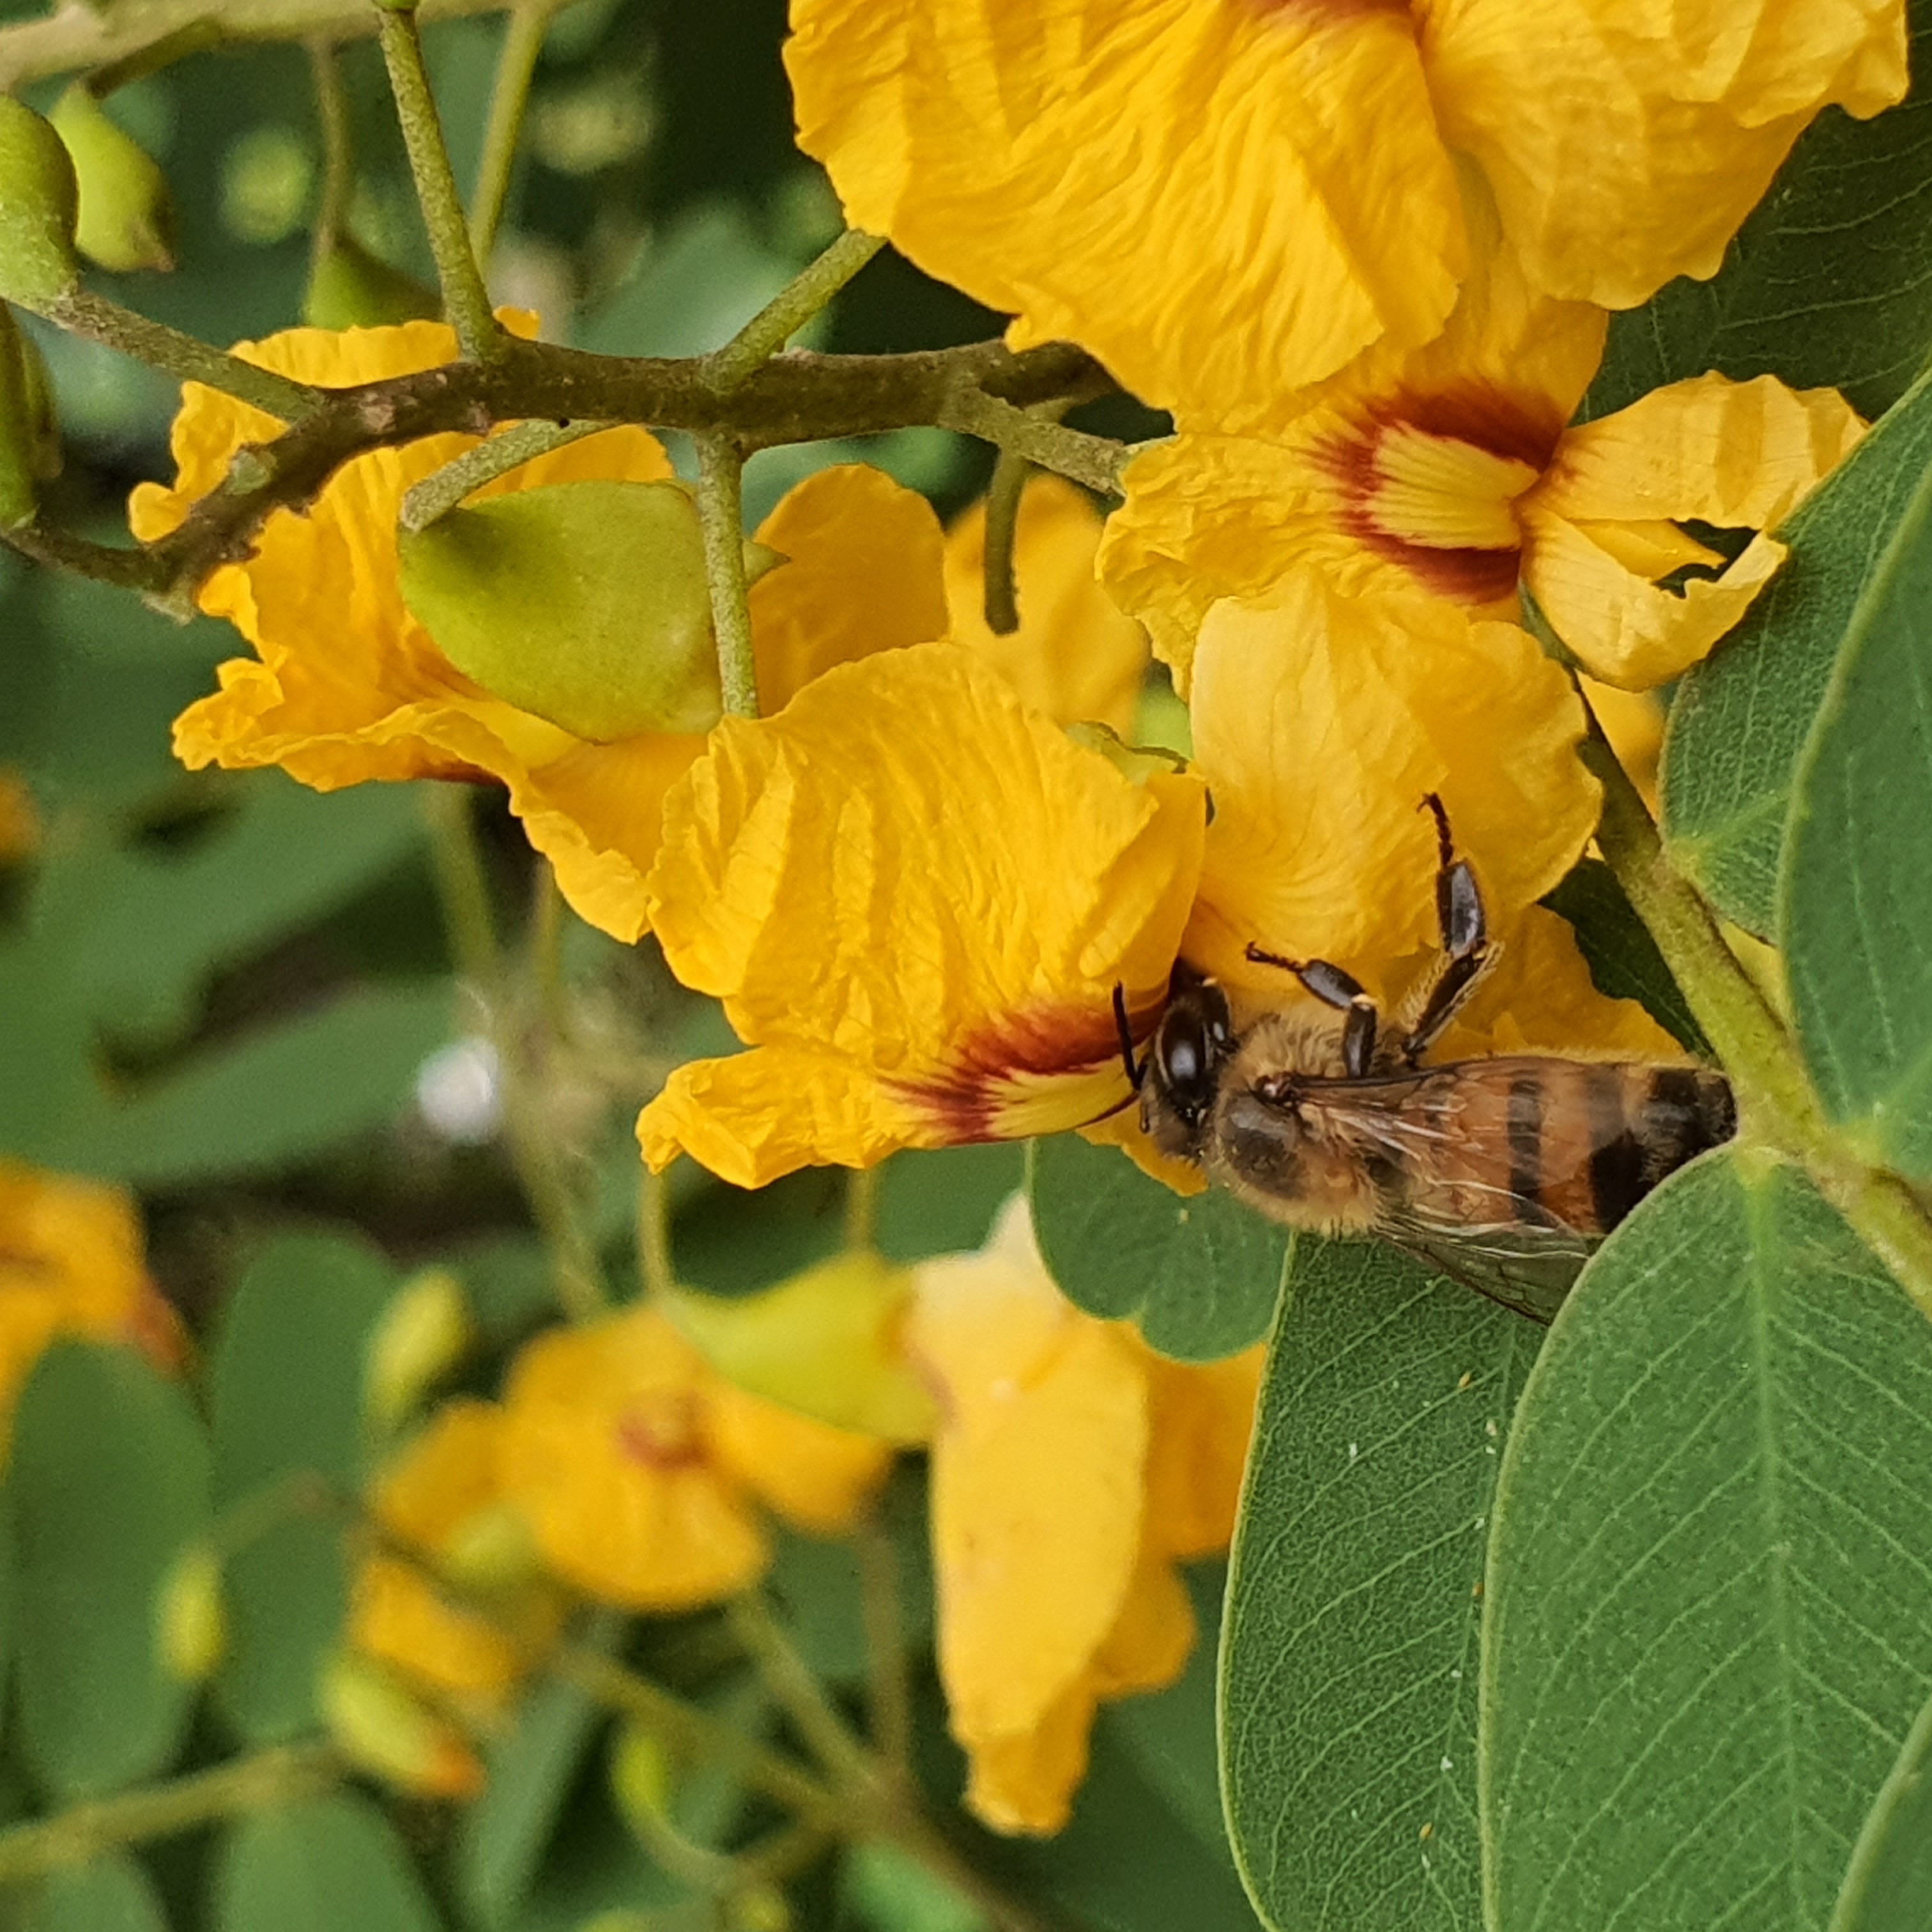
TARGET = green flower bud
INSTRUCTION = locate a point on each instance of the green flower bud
(39, 201)
(127, 219)
(585, 603)
(29, 438)
(422, 1336)
(191, 1624)
(349, 288)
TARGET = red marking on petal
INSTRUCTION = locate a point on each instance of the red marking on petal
(662, 1433)
(965, 1099)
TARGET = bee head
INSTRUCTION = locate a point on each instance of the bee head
(1191, 1046)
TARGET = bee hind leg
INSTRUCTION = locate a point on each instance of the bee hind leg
(1345, 994)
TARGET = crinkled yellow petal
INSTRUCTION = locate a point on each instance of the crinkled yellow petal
(1739, 455)
(1202, 1415)
(863, 574)
(1400, 473)
(816, 1477)
(919, 895)
(1625, 630)
(1037, 1484)
(1185, 189)
(1323, 721)
(1625, 145)
(1075, 655)
(606, 1451)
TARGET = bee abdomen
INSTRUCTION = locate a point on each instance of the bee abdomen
(1645, 1122)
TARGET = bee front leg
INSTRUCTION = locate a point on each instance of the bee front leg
(1467, 950)
(1345, 994)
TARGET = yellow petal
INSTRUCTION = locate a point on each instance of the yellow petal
(605, 1450)
(862, 575)
(1626, 631)
(1202, 1416)
(1024, 1781)
(1323, 721)
(816, 1477)
(1739, 455)
(1626, 145)
(1075, 655)
(1113, 174)
(919, 895)
(1633, 721)
(1036, 1485)
(398, 1616)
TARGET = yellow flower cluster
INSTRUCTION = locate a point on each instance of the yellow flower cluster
(1365, 254)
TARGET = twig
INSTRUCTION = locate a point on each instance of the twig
(509, 95)
(465, 301)
(891, 1694)
(509, 449)
(1094, 460)
(790, 310)
(1004, 493)
(721, 512)
(338, 161)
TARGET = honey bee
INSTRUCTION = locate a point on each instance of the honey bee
(1504, 1172)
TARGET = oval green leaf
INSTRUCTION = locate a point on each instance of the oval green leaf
(286, 1397)
(326, 1865)
(109, 1483)
(1200, 1275)
(1888, 1886)
(1349, 1649)
(1706, 1635)
(109, 1894)
(1742, 718)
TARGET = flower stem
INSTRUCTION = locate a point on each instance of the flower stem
(1094, 460)
(465, 301)
(1775, 1098)
(862, 1204)
(579, 1282)
(721, 510)
(509, 95)
(99, 320)
(790, 310)
(890, 1694)
(655, 1262)
(440, 491)
(338, 160)
(252, 1783)
(1002, 600)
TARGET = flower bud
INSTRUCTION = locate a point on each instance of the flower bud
(825, 1343)
(30, 448)
(760, 1908)
(349, 288)
(127, 217)
(642, 1776)
(191, 1620)
(492, 1549)
(585, 603)
(378, 1726)
(39, 202)
(421, 1336)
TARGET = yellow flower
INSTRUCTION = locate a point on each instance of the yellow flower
(1449, 470)
(442, 1498)
(1072, 1469)
(915, 897)
(1223, 201)
(1075, 656)
(636, 1466)
(348, 685)
(70, 1265)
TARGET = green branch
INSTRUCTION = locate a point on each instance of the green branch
(721, 512)
(509, 95)
(790, 310)
(1000, 595)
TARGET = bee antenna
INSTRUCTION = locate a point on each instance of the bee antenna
(1136, 1073)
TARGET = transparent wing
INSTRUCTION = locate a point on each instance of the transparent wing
(1528, 1268)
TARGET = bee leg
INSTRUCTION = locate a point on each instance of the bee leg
(1136, 1071)
(1344, 993)
(1467, 952)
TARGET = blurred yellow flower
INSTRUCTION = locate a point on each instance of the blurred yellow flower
(1450, 470)
(1072, 1469)
(349, 685)
(1224, 200)
(70, 1265)
(638, 1467)
(20, 821)
(442, 1499)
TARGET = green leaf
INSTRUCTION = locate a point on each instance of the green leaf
(944, 1200)
(1624, 961)
(1741, 718)
(502, 1837)
(1888, 1886)
(1201, 1275)
(1856, 912)
(1829, 281)
(324, 1865)
(1706, 1634)
(110, 1893)
(109, 1483)
(1349, 1655)
(887, 1890)
(270, 1100)
(286, 1398)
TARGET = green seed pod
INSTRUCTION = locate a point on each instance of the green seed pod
(349, 288)
(29, 440)
(585, 603)
(127, 217)
(39, 202)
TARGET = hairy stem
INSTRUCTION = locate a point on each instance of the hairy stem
(338, 161)
(509, 449)
(509, 96)
(1001, 594)
(252, 1783)
(465, 301)
(655, 1264)
(721, 510)
(1094, 460)
(790, 310)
